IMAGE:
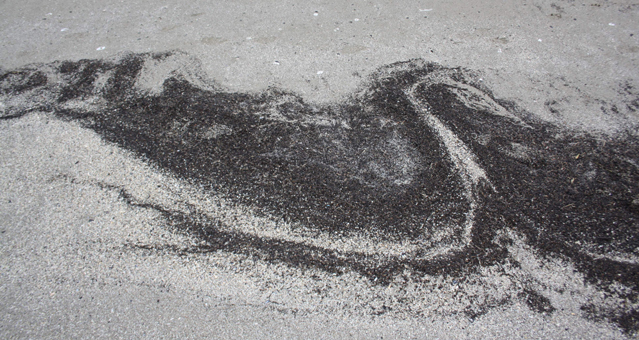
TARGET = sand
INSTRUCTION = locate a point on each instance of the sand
(86, 252)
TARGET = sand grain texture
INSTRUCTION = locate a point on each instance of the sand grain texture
(220, 186)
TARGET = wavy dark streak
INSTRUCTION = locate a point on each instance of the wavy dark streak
(369, 164)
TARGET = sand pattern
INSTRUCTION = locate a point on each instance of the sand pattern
(418, 179)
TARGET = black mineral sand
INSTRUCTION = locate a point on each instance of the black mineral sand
(381, 163)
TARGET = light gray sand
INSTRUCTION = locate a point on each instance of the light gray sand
(67, 268)
(575, 53)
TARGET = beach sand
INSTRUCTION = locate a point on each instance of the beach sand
(106, 236)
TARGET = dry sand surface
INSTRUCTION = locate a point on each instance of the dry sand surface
(422, 169)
